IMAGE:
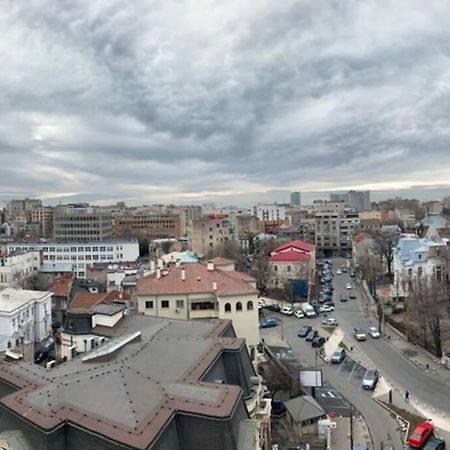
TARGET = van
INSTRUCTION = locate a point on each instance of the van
(308, 310)
(338, 356)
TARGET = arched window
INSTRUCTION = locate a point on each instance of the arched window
(227, 307)
(419, 271)
(250, 305)
(409, 272)
(238, 306)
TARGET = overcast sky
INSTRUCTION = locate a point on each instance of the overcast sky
(161, 100)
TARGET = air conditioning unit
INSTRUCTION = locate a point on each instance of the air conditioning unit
(177, 310)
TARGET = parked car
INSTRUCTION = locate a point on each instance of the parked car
(359, 334)
(318, 341)
(299, 314)
(287, 310)
(268, 323)
(304, 330)
(344, 270)
(352, 273)
(420, 435)
(348, 286)
(338, 272)
(324, 298)
(45, 350)
(330, 322)
(338, 356)
(370, 379)
(434, 443)
(352, 295)
(343, 298)
(374, 333)
(326, 308)
(274, 307)
(311, 335)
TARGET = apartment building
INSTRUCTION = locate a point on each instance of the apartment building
(148, 227)
(82, 254)
(24, 314)
(21, 209)
(208, 233)
(44, 216)
(82, 224)
(334, 230)
(17, 267)
(359, 200)
(197, 291)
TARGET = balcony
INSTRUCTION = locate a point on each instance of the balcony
(204, 314)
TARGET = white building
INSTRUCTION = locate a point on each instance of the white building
(17, 267)
(82, 254)
(414, 258)
(24, 314)
(270, 212)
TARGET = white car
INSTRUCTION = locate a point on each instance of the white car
(338, 272)
(287, 310)
(299, 314)
(326, 308)
(348, 286)
(374, 333)
(330, 322)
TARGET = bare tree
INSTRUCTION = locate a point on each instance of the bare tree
(230, 250)
(262, 272)
(385, 243)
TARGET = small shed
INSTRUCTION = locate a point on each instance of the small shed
(303, 414)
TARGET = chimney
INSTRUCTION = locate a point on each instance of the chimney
(158, 274)
(210, 266)
(214, 285)
(183, 274)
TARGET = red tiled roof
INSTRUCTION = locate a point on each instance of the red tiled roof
(198, 280)
(86, 300)
(290, 256)
(299, 245)
(61, 286)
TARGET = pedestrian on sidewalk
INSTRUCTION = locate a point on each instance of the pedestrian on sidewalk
(407, 396)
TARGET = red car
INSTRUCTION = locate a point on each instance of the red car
(420, 435)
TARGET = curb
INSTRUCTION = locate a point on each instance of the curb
(398, 417)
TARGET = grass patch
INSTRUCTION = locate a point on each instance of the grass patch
(413, 419)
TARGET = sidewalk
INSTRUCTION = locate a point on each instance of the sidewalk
(340, 437)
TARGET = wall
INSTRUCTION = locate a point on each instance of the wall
(108, 321)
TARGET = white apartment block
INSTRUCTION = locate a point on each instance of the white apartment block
(82, 254)
(24, 314)
(18, 266)
(270, 212)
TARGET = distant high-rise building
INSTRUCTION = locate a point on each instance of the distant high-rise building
(360, 200)
(295, 198)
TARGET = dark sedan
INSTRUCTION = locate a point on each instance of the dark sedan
(318, 341)
(304, 331)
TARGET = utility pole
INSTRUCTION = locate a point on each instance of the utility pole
(351, 427)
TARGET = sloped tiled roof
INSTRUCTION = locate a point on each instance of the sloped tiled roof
(290, 256)
(87, 300)
(61, 286)
(198, 279)
(222, 261)
(300, 245)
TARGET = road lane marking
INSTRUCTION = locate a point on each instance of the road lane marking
(340, 365)
(352, 371)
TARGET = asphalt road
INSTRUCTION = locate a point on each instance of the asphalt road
(346, 381)
(395, 368)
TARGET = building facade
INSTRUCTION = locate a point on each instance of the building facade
(44, 216)
(82, 254)
(148, 227)
(295, 199)
(24, 314)
(18, 267)
(82, 224)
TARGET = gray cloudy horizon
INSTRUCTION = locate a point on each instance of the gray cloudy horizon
(188, 101)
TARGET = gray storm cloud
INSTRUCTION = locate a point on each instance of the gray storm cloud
(171, 100)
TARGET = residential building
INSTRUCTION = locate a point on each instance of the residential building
(148, 227)
(295, 199)
(197, 291)
(293, 261)
(81, 223)
(44, 216)
(246, 227)
(209, 233)
(359, 200)
(18, 267)
(62, 290)
(270, 212)
(370, 214)
(370, 225)
(82, 254)
(146, 383)
(21, 209)
(415, 258)
(111, 275)
(24, 314)
(324, 206)
(334, 230)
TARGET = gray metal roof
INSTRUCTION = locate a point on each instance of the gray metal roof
(127, 393)
(304, 408)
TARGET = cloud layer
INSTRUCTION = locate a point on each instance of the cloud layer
(181, 100)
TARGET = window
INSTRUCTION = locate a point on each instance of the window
(73, 249)
(164, 303)
(227, 307)
(249, 305)
(275, 268)
(419, 271)
(288, 268)
(95, 249)
(238, 306)
(149, 304)
(88, 249)
(180, 304)
(409, 272)
(80, 249)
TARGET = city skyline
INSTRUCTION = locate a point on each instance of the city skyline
(218, 102)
